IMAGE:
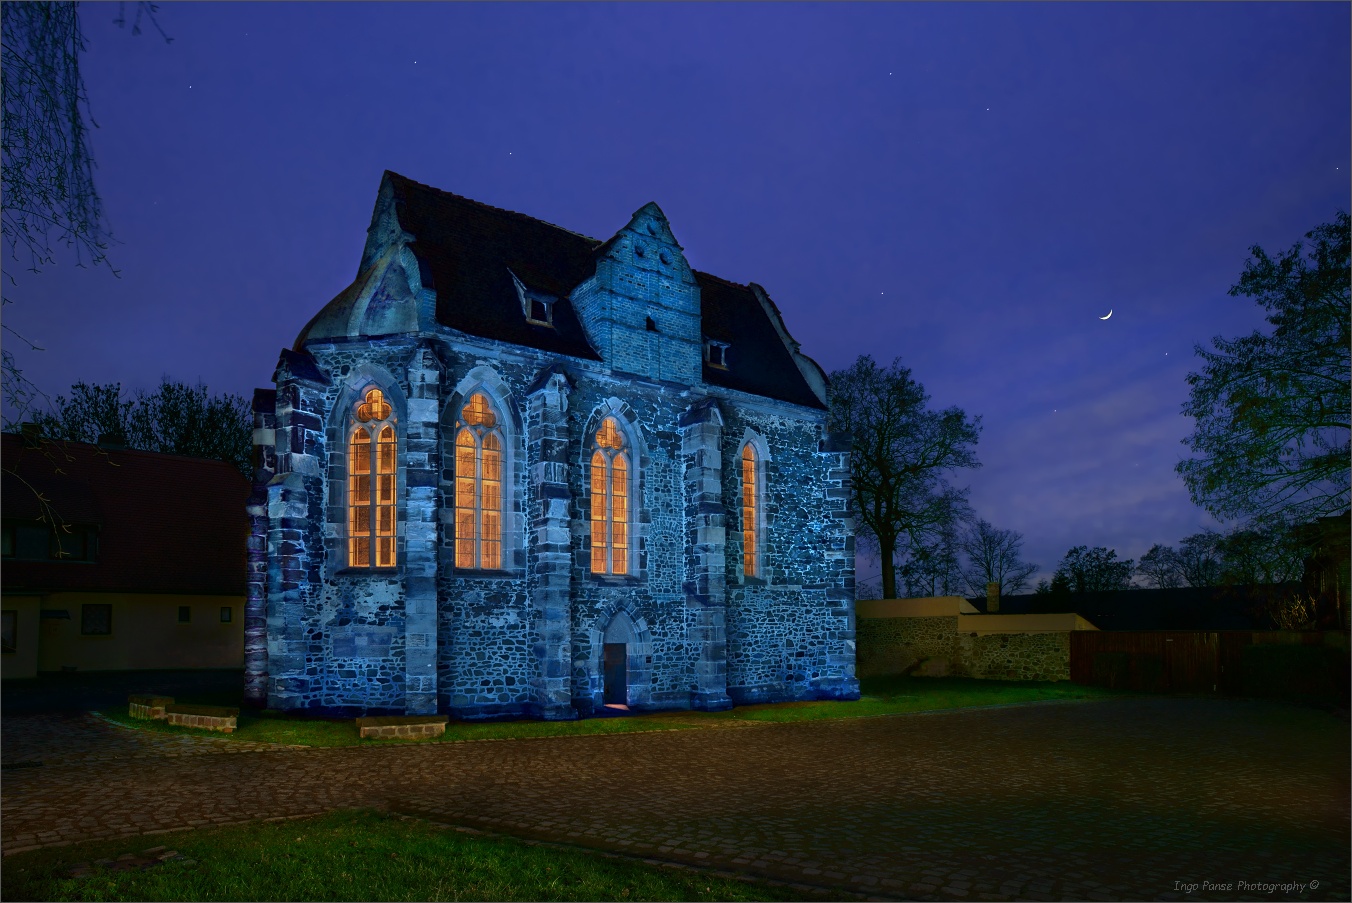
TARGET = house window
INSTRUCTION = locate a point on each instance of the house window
(73, 542)
(226, 614)
(184, 614)
(9, 630)
(609, 502)
(751, 503)
(478, 487)
(37, 541)
(96, 620)
(371, 484)
(716, 353)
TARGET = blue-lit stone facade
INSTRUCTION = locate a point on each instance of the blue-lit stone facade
(526, 639)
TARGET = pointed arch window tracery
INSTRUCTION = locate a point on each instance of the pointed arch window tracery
(610, 514)
(751, 511)
(478, 486)
(372, 480)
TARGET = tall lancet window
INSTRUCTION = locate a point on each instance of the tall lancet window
(750, 513)
(478, 487)
(371, 480)
(609, 502)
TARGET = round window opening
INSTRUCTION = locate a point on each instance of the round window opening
(665, 257)
(639, 251)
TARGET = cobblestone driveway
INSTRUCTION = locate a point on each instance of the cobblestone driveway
(1120, 799)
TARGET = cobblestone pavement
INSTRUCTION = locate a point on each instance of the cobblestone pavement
(1135, 798)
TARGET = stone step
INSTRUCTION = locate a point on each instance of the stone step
(140, 705)
(207, 717)
(402, 726)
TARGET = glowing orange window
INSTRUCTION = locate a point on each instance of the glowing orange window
(750, 501)
(372, 480)
(478, 487)
(609, 502)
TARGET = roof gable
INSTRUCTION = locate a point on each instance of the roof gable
(472, 257)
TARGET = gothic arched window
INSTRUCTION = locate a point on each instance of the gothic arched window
(751, 505)
(478, 487)
(609, 502)
(371, 481)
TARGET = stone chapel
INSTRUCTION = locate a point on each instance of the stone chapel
(511, 471)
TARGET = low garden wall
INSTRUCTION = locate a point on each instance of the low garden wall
(945, 636)
(1020, 656)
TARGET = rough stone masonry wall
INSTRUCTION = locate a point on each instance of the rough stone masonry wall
(339, 637)
(899, 645)
(934, 647)
(790, 630)
(652, 593)
(1014, 656)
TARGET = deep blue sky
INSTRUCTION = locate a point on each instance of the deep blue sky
(968, 187)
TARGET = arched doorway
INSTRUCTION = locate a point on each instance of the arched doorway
(616, 647)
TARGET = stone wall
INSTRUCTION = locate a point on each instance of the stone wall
(906, 645)
(1014, 656)
(933, 647)
(525, 641)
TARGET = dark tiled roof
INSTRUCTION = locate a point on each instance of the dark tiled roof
(167, 524)
(757, 360)
(1184, 608)
(467, 249)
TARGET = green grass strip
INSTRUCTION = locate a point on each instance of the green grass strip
(880, 696)
(360, 855)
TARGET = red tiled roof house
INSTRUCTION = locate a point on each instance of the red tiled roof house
(147, 570)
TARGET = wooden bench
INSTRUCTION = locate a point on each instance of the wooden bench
(207, 717)
(402, 726)
(151, 708)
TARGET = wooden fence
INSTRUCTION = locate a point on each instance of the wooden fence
(1182, 661)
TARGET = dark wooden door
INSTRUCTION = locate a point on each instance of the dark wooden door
(614, 672)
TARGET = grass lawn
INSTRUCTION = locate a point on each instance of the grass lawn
(359, 855)
(880, 696)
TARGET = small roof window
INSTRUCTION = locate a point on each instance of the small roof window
(536, 305)
(716, 353)
(539, 311)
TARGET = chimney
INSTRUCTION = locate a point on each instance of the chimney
(992, 598)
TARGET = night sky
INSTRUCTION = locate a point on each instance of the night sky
(969, 187)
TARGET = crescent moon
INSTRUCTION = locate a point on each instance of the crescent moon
(1110, 313)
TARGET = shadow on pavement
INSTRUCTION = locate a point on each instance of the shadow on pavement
(81, 691)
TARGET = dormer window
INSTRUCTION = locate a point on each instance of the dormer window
(539, 312)
(537, 306)
(716, 354)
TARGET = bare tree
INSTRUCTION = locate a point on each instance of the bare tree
(993, 556)
(1199, 561)
(934, 569)
(175, 419)
(1161, 567)
(900, 454)
(48, 172)
(1096, 570)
